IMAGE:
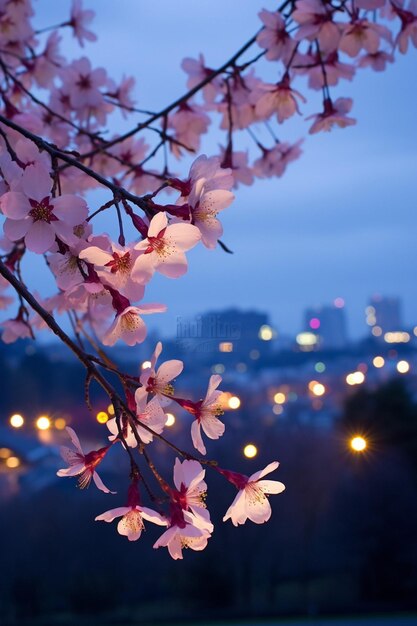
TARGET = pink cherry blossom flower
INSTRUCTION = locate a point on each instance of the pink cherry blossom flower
(274, 37)
(83, 465)
(274, 161)
(191, 491)
(251, 502)
(408, 30)
(14, 330)
(159, 382)
(131, 524)
(163, 249)
(197, 72)
(238, 163)
(183, 533)
(83, 84)
(151, 414)
(188, 123)
(206, 413)
(377, 61)
(33, 214)
(361, 34)
(114, 267)
(315, 20)
(129, 325)
(279, 99)
(79, 21)
(334, 114)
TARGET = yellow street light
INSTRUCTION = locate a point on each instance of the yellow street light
(250, 451)
(43, 422)
(170, 419)
(358, 443)
(234, 402)
(17, 420)
(403, 367)
(102, 417)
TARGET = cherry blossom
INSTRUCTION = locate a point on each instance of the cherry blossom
(15, 329)
(83, 465)
(131, 524)
(163, 249)
(183, 533)
(274, 37)
(159, 382)
(206, 413)
(33, 214)
(334, 114)
(315, 19)
(114, 266)
(251, 502)
(129, 325)
(79, 21)
(191, 490)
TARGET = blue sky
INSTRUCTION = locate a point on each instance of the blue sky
(341, 222)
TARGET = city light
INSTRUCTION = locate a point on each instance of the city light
(376, 331)
(234, 402)
(277, 409)
(403, 367)
(397, 337)
(110, 409)
(17, 420)
(254, 354)
(266, 333)
(358, 443)
(12, 462)
(43, 422)
(250, 451)
(146, 365)
(60, 423)
(102, 417)
(378, 361)
(339, 303)
(170, 419)
(314, 323)
(279, 398)
(320, 367)
(5, 453)
(218, 368)
(355, 378)
(316, 388)
(307, 339)
(226, 346)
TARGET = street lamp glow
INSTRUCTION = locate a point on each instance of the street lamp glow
(265, 333)
(250, 451)
(403, 367)
(110, 409)
(358, 443)
(170, 419)
(146, 365)
(279, 398)
(60, 423)
(5, 453)
(12, 462)
(102, 417)
(17, 420)
(316, 388)
(355, 378)
(234, 402)
(378, 361)
(43, 422)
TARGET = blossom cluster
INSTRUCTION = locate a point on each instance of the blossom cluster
(183, 508)
(54, 148)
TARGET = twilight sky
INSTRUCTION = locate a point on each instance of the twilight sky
(341, 222)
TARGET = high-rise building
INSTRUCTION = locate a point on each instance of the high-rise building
(328, 323)
(384, 315)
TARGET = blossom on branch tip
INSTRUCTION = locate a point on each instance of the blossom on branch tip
(159, 382)
(133, 514)
(251, 502)
(83, 465)
(163, 249)
(129, 325)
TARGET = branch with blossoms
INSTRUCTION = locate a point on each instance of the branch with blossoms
(54, 148)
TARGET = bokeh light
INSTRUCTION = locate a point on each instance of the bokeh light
(234, 402)
(250, 451)
(170, 419)
(403, 367)
(17, 420)
(358, 443)
(102, 417)
(43, 422)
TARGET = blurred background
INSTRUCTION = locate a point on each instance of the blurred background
(315, 334)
